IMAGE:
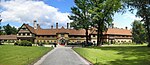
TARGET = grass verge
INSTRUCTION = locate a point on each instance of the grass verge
(116, 55)
(20, 55)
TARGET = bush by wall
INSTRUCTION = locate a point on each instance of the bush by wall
(25, 43)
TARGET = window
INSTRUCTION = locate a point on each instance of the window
(62, 35)
(28, 34)
(93, 35)
(19, 34)
(24, 34)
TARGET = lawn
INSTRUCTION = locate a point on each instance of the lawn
(116, 55)
(19, 55)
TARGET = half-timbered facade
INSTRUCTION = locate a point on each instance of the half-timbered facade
(67, 35)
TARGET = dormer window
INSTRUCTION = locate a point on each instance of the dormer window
(28, 34)
(93, 35)
(24, 34)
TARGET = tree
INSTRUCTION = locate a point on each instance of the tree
(102, 13)
(80, 16)
(0, 27)
(10, 30)
(143, 11)
(138, 32)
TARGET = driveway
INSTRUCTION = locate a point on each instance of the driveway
(62, 56)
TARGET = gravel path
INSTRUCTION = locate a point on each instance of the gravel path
(62, 56)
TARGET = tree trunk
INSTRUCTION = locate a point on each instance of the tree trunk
(98, 35)
(86, 36)
(101, 37)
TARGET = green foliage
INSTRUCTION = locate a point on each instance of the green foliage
(25, 43)
(80, 16)
(143, 11)
(116, 55)
(102, 12)
(139, 32)
(20, 55)
(10, 30)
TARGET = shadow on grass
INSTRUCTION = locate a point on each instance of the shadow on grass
(132, 55)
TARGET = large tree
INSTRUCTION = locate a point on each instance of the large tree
(0, 27)
(138, 32)
(102, 12)
(80, 16)
(143, 11)
(10, 30)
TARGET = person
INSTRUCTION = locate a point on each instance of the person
(55, 44)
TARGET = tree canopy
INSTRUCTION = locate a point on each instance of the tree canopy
(143, 11)
(10, 30)
(102, 12)
(139, 32)
(80, 16)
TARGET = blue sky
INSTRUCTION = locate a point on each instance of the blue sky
(48, 12)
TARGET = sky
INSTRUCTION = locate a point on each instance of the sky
(48, 12)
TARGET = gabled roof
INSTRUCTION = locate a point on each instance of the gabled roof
(117, 31)
(62, 30)
(31, 29)
(110, 31)
(40, 31)
(8, 37)
(114, 31)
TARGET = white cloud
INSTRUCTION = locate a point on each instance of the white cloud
(27, 11)
(131, 16)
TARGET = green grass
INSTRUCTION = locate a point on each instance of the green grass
(116, 55)
(19, 55)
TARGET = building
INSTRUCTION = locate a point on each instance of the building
(67, 35)
(114, 35)
(8, 38)
(54, 35)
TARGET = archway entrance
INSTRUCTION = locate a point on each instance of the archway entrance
(62, 41)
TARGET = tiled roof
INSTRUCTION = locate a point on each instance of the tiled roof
(8, 37)
(30, 28)
(55, 31)
(115, 31)
(39, 31)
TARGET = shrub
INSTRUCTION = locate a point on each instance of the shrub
(25, 43)
(16, 43)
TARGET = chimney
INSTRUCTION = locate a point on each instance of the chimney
(67, 25)
(126, 28)
(56, 25)
(38, 26)
(112, 25)
(51, 26)
(35, 24)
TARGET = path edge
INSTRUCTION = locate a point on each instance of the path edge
(44, 57)
(82, 58)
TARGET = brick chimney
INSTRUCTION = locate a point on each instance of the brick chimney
(112, 25)
(38, 26)
(56, 25)
(67, 25)
(35, 24)
(126, 28)
(51, 26)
